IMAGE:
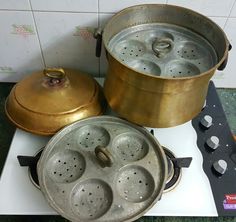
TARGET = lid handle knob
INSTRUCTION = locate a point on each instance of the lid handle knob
(54, 73)
(103, 156)
(162, 46)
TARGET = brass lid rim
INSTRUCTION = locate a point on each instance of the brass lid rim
(91, 101)
(43, 133)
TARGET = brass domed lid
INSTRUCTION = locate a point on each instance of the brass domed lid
(46, 101)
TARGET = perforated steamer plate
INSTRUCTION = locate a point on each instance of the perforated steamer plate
(163, 50)
(102, 169)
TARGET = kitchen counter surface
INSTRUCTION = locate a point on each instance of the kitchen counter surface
(228, 99)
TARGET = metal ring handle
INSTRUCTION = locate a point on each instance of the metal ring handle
(54, 73)
(160, 46)
(104, 156)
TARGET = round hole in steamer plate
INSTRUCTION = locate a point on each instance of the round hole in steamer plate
(178, 68)
(130, 146)
(61, 166)
(135, 184)
(129, 48)
(190, 50)
(91, 136)
(145, 66)
(91, 199)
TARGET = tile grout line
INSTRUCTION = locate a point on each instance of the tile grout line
(104, 12)
(229, 14)
(15, 10)
(36, 10)
(65, 11)
(36, 28)
(216, 16)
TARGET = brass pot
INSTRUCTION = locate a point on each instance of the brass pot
(46, 101)
(159, 100)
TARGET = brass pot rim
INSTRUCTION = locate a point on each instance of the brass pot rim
(123, 11)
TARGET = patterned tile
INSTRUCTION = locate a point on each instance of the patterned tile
(67, 40)
(20, 51)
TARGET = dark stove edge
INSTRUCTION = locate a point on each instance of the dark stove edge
(226, 184)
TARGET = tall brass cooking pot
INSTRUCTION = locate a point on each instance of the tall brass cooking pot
(152, 100)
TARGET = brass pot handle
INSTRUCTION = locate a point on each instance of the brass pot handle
(103, 156)
(54, 73)
(98, 35)
(224, 63)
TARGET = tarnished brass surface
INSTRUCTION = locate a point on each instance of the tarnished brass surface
(152, 101)
(158, 101)
(43, 104)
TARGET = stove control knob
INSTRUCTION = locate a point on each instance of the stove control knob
(206, 121)
(220, 166)
(213, 142)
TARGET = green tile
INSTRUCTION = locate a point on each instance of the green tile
(228, 100)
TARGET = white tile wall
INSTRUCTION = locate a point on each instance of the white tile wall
(65, 5)
(15, 4)
(227, 77)
(67, 40)
(115, 6)
(219, 21)
(103, 18)
(206, 7)
(233, 12)
(20, 52)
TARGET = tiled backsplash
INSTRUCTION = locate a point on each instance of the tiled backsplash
(53, 33)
